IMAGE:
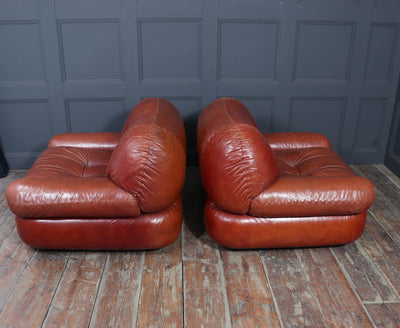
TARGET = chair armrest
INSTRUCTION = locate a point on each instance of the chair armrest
(295, 140)
(236, 162)
(93, 140)
(150, 159)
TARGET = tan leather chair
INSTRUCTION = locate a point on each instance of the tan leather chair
(109, 191)
(275, 189)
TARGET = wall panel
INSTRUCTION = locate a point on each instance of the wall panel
(109, 113)
(324, 50)
(304, 65)
(371, 120)
(327, 113)
(26, 129)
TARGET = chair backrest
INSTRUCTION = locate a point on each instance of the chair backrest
(236, 161)
(150, 158)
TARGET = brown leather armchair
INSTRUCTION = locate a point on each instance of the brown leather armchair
(275, 189)
(110, 191)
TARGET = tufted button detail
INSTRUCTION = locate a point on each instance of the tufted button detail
(317, 161)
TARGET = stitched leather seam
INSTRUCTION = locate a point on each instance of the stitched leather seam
(148, 137)
(202, 145)
(243, 157)
(173, 135)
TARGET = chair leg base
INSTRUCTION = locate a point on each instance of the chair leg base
(146, 231)
(249, 232)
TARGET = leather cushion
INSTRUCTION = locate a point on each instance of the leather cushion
(160, 112)
(92, 140)
(316, 161)
(146, 231)
(150, 159)
(313, 181)
(295, 140)
(70, 182)
(236, 161)
(220, 113)
(245, 231)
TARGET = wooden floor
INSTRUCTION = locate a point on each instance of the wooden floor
(195, 283)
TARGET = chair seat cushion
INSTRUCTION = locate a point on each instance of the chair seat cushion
(315, 161)
(313, 182)
(70, 182)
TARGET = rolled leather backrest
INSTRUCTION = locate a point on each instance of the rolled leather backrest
(236, 162)
(150, 158)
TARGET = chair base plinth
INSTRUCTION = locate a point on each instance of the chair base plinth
(250, 232)
(146, 231)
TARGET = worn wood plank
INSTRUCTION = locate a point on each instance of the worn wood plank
(7, 222)
(291, 288)
(380, 180)
(385, 315)
(14, 257)
(310, 290)
(393, 177)
(196, 242)
(386, 207)
(205, 298)
(73, 302)
(118, 296)
(11, 176)
(364, 276)
(200, 247)
(161, 303)
(383, 251)
(220, 288)
(206, 304)
(338, 303)
(249, 297)
(30, 299)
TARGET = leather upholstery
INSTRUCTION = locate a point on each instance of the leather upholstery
(155, 171)
(93, 188)
(91, 140)
(237, 168)
(145, 231)
(296, 140)
(276, 189)
(246, 231)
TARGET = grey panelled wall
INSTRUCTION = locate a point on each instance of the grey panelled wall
(307, 65)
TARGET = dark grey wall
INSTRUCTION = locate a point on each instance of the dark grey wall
(307, 65)
(392, 157)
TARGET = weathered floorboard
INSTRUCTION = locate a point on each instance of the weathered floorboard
(386, 207)
(311, 290)
(394, 178)
(291, 288)
(338, 303)
(384, 252)
(362, 273)
(205, 299)
(385, 315)
(11, 176)
(206, 304)
(73, 302)
(250, 301)
(14, 257)
(31, 297)
(7, 222)
(161, 303)
(196, 283)
(118, 296)
(200, 247)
